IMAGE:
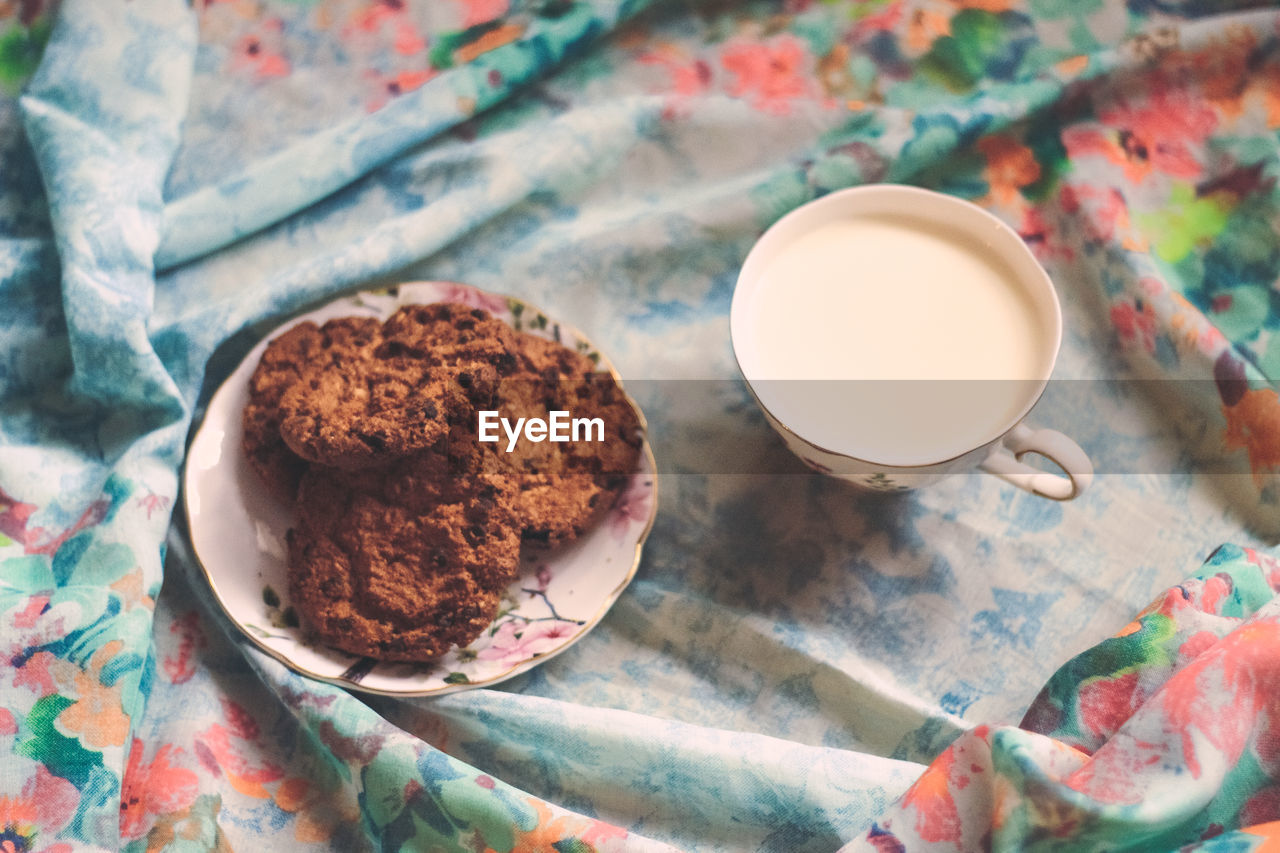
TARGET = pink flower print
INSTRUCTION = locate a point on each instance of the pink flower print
(1043, 236)
(887, 19)
(41, 807)
(543, 576)
(180, 665)
(221, 750)
(152, 502)
(476, 12)
(408, 42)
(472, 298)
(1168, 128)
(632, 505)
(1160, 133)
(518, 641)
(686, 77)
(1240, 667)
(26, 618)
(1215, 705)
(1106, 703)
(239, 721)
(1102, 210)
(154, 788)
(1214, 591)
(15, 516)
(261, 54)
(1196, 645)
(1135, 323)
(384, 87)
(384, 15)
(38, 627)
(35, 675)
(771, 74)
(599, 833)
(931, 797)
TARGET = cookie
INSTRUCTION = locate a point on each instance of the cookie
(396, 397)
(565, 486)
(445, 325)
(550, 360)
(285, 361)
(406, 562)
(468, 345)
(363, 410)
(408, 529)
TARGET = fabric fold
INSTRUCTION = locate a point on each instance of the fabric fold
(88, 523)
(308, 171)
(1158, 738)
(615, 167)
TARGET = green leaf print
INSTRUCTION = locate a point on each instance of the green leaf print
(26, 574)
(64, 756)
(1184, 224)
(20, 51)
(1045, 141)
(978, 39)
(81, 560)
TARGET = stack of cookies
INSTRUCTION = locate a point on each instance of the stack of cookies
(408, 528)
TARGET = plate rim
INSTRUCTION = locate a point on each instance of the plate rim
(648, 462)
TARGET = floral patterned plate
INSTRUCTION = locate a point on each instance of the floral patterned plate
(238, 531)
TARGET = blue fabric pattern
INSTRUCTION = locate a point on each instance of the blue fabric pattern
(793, 658)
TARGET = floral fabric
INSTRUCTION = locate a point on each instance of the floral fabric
(795, 667)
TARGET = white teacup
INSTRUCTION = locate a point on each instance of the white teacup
(894, 335)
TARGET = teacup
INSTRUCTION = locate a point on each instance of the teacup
(894, 335)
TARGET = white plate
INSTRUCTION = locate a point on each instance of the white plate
(238, 531)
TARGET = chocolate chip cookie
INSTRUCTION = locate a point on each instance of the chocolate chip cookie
(406, 562)
(565, 486)
(408, 528)
(292, 356)
(395, 398)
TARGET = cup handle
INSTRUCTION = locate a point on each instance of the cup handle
(1006, 463)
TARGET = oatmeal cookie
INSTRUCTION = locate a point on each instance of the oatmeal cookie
(430, 363)
(408, 529)
(550, 360)
(565, 486)
(405, 562)
(286, 360)
(472, 348)
(439, 328)
(363, 411)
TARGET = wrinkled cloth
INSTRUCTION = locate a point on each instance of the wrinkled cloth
(796, 666)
